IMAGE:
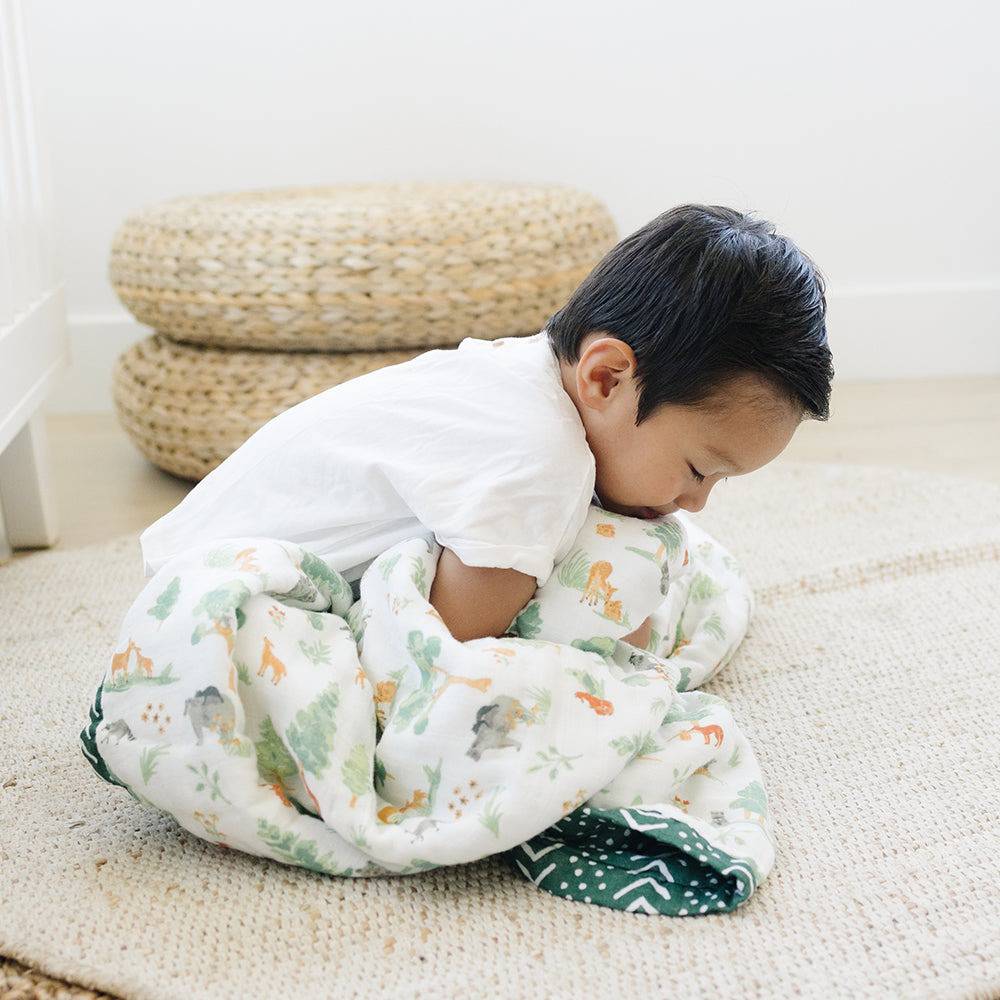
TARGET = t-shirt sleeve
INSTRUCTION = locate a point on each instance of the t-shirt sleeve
(515, 508)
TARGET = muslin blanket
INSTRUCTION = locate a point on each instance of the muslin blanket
(254, 699)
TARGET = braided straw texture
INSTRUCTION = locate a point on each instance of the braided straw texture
(188, 408)
(868, 684)
(358, 266)
(18, 982)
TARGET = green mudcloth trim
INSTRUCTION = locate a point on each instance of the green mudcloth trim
(635, 859)
(88, 739)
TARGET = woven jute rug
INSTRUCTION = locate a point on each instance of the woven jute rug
(868, 684)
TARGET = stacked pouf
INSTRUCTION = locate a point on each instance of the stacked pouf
(260, 299)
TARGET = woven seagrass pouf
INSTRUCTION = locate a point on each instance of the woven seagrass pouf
(352, 267)
(188, 408)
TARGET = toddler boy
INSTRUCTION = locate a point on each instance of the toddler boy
(690, 353)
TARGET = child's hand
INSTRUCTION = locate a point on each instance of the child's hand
(640, 637)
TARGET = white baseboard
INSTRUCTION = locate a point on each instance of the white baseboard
(94, 344)
(915, 331)
(876, 332)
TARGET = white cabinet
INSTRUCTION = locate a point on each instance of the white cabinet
(33, 342)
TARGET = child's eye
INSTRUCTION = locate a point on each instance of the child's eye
(697, 474)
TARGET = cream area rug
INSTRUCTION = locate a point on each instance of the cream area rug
(868, 685)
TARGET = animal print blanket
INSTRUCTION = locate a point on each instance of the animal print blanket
(253, 698)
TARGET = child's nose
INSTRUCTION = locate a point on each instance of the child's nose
(693, 502)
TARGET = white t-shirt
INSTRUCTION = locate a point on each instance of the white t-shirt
(479, 446)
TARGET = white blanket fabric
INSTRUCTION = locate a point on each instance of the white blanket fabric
(254, 700)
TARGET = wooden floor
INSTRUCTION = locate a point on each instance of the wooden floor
(105, 487)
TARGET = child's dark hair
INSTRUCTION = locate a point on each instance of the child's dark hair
(703, 295)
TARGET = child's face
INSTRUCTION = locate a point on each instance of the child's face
(646, 471)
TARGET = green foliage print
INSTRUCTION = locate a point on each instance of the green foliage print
(220, 606)
(242, 672)
(237, 747)
(148, 758)
(315, 619)
(207, 781)
(554, 760)
(636, 746)
(433, 780)
(386, 566)
(419, 576)
(670, 536)
(329, 582)
(574, 570)
(704, 588)
(682, 710)
(220, 558)
(490, 816)
(752, 799)
(541, 705)
(379, 773)
(528, 623)
(416, 707)
(654, 640)
(357, 771)
(274, 762)
(685, 677)
(166, 601)
(292, 848)
(713, 626)
(603, 645)
(357, 619)
(679, 640)
(318, 651)
(222, 601)
(311, 734)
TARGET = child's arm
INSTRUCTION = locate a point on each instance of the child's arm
(478, 601)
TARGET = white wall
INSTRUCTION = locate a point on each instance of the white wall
(867, 132)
